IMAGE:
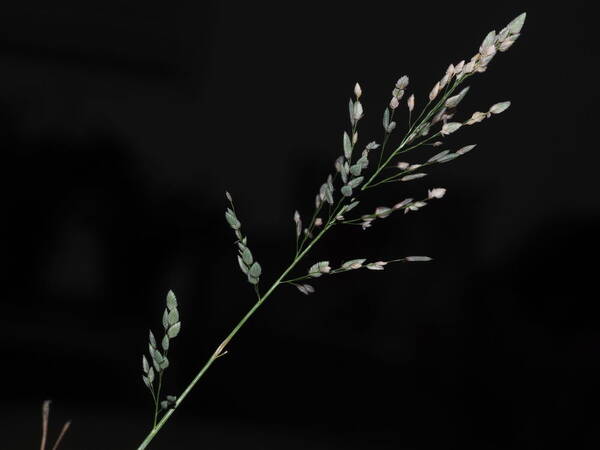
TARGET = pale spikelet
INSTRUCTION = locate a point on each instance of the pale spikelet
(486, 56)
(506, 44)
(306, 289)
(378, 265)
(489, 40)
(402, 165)
(357, 91)
(402, 204)
(469, 67)
(358, 111)
(424, 130)
(490, 50)
(450, 127)
(366, 224)
(438, 116)
(444, 81)
(232, 219)
(453, 102)
(502, 35)
(383, 211)
(298, 223)
(446, 158)
(394, 103)
(450, 71)
(418, 258)
(465, 149)
(437, 156)
(434, 92)
(398, 93)
(402, 82)
(499, 107)
(477, 117)
(413, 176)
(318, 269)
(414, 206)
(323, 191)
(353, 264)
(514, 27)
(339, 162)
(459, 67)
(436, 193)
(411, 102)
(447, 116)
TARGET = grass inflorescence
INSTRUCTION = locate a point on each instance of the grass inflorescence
(337, 201)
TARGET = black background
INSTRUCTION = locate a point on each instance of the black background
(122, 126)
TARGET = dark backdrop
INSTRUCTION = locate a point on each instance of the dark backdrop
(121, 128)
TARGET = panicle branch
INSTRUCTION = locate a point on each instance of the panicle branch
(248, 265)
(153, 374)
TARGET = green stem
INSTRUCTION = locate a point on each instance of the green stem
(220, 349)
(155, 404)
(157, 398)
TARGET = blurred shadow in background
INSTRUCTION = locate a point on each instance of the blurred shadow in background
(121, 127)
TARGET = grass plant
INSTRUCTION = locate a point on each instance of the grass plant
(338, 199)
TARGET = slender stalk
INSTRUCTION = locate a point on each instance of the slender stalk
(61, 435)
(155, 405)
(293, 280)
(157, 396)
(220, 349)
(45, 414)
